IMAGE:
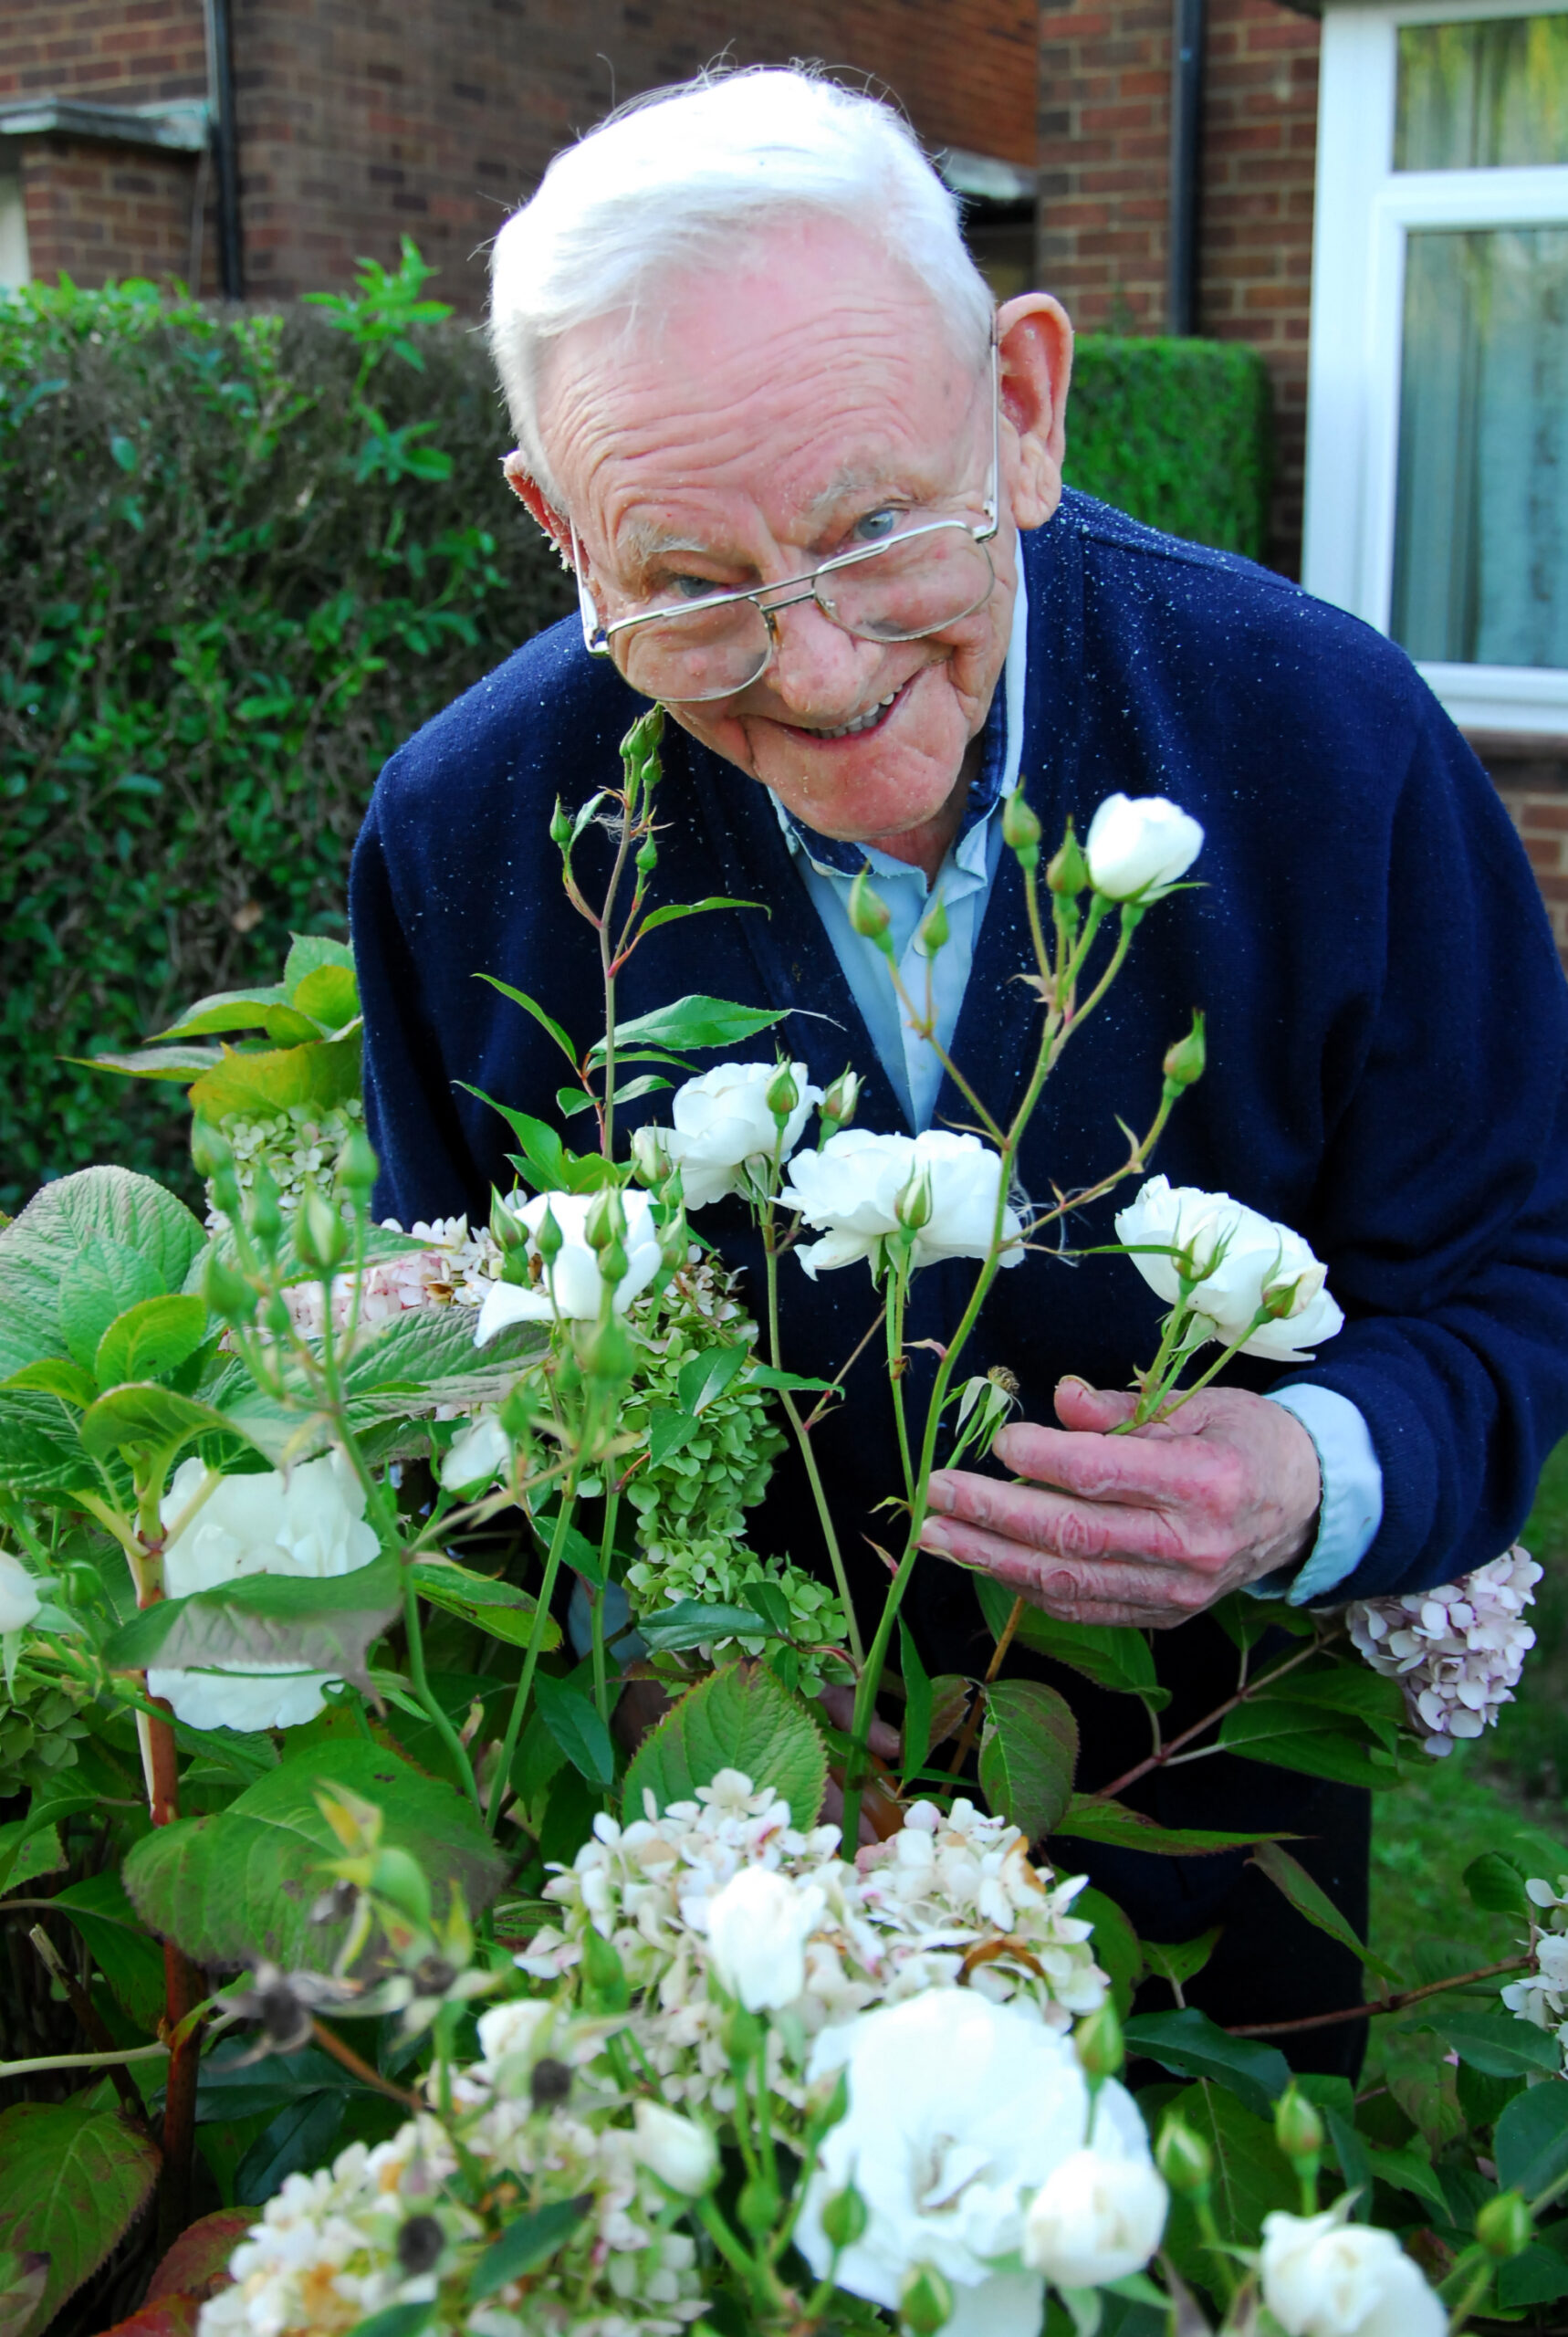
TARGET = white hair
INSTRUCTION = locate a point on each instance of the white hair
(676, 180)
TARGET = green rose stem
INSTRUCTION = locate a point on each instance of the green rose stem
(567, 1502)
(803, 1430)
(1057, 982)
(606, 1550)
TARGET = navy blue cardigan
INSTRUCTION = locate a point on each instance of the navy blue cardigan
(1386, 1010)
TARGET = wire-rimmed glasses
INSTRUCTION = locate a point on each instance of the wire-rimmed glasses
(918, 582)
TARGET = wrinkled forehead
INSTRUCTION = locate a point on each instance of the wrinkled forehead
(815, 370)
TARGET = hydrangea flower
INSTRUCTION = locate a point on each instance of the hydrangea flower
(1458, 1651)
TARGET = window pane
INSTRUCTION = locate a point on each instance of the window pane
(1480, 572)
(1482, 96)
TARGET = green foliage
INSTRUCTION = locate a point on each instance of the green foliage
(739, 1718)
(241, 1885)
(74, 2176)
(1029, 1751)
(1175, 432)
(245, 557)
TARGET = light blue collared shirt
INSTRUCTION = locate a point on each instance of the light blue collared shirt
(1351, 1508)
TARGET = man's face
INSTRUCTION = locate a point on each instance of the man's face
(774, 417)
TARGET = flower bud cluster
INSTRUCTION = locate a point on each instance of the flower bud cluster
(1458, 1651)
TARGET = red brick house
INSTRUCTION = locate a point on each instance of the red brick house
(1376, 198)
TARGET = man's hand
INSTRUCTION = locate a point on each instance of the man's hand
(1146, 1528)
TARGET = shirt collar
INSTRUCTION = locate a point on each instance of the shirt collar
(998, 766)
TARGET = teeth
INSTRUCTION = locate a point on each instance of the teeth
(862, 722)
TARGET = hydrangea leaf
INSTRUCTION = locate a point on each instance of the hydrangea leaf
(308, 953)
(1311, 1900)
(116, 1939)
(738, 1718)
(1252, 2178)
(575, 1724)
(1113, 1656)
(1530, 2141)
(329, 994)
(303, 1623)
(150, 1339)
(40, 1245)
(74, 2176)
(257, 1086)
(239, 1886)
(223, 1011)
(1029, 1751)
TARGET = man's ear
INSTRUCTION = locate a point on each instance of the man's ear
(535, 501)
(1034, 340)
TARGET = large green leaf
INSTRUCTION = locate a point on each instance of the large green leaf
(318, 1076)
(1252, 2178)
(116, 1939)
(1088, 1819)
(178, 1064)
(143, 1417)
(1311, 1900)
(1111, 1655)
(1314, 1741)
(37, 1249)
(40, 1451)
(738, 1718)
(1029, 1751)
(329, 995)
(223, 1010)
(308, 952)
(574, 1723)
(150, 1340)
(1495, 2043)
(500, 1610)
(74, 2176)
(528, 2241)
(1118, 1950)
(293, 1623)
(240, 1885)
(1193, 2046)
(694, 1022)
(1530, 2141)
(697, 1622)
(103, 1280)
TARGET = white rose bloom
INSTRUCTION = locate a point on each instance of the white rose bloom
(1323, 2277)
(849, 1192)
(309, 1523)
(723, 1127)
(959, 2109)
(758, 1926)
(1240, 1256)
(680, 2154)
(572, 1288)
(19, 1600)
(1096, 2218)
(509, 2030)
(1138, 848)
(481, 1452)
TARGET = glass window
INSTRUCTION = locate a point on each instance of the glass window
(14, 267)
(1480, 564)
(1491, 95)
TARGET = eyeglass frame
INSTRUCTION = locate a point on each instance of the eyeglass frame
(598, 636)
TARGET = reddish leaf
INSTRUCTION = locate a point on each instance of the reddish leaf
(198, 2263)
(170, 2316)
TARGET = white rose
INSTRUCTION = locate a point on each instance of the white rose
(309, 1523)
(681, 2153)
(19, 1600)
(724, 1128)
(1325, 2277)
(958, 2110)
(1096, 2218)
(758, 1926)
(1239, 1258)
(508, 2030)
(1137, 849)
(481, 1452)
(850, 1190)
(572, 1286)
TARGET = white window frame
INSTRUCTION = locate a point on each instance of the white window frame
(1364, 211)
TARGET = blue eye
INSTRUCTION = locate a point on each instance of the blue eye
(877, 525)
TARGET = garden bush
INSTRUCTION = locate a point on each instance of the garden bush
(244, 558)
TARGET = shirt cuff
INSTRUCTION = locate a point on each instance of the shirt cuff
(1351, 1508)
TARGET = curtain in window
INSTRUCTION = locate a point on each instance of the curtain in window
(1480, 572)
(1482, 96)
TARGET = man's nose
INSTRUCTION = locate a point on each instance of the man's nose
(820, 672)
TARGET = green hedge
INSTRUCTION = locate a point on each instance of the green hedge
(1177, 432)
(243, 559)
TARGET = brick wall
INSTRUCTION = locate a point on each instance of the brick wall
(123, 52)
(1105, 145)
(1530, 775)
(359, 125)
(100, 212)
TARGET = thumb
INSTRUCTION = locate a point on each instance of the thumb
(1091, 1410)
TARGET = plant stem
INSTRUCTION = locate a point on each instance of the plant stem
(122, 2053)
(331, 2042)
(971, 1726)
(1399, 2003)
(531, 1657)
(1243, 1696)
(803, 1438)
(606, 1544)
(441, 1720)
(183, 1991)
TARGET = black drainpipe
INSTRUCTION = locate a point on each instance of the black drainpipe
(1186, 150)
(226, 142)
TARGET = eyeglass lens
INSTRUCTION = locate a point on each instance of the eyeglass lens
(913, 587)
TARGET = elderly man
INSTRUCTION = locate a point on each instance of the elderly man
(740, 340)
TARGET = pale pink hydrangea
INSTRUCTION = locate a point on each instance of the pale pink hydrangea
(455, 1270)
(1457, 1650)
(904, 1918)
(1541, 1995)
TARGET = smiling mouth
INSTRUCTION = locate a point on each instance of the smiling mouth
(861, 725)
